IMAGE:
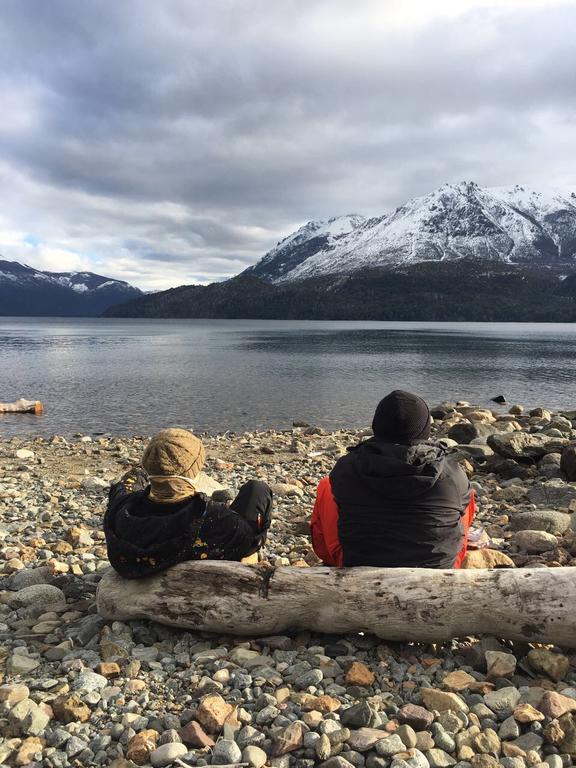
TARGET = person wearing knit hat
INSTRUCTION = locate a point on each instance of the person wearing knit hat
(158, 515)
(396, 499)
(173, 460)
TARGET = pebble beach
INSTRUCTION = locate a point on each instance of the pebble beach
(76, 690)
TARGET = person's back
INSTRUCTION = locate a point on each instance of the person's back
(394, 500)
(156, 518)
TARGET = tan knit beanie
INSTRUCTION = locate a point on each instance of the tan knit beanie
(173, 452)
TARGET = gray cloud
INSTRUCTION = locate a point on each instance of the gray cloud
(172, 141)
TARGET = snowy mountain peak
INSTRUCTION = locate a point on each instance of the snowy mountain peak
(311, 237)
(29, 291)
(457, 220)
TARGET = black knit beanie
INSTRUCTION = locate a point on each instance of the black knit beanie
(402, 418)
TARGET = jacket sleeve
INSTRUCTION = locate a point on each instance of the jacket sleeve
(133, 480)
(324, 526)
(227, 535)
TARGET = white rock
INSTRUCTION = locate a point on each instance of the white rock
(167, 753)
(24, 453)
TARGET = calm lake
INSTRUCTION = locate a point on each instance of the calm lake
(138, 376)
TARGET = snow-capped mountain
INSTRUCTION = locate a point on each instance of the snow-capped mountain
(506, 225)
(28, 291)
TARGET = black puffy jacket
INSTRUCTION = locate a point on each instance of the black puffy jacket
(400, 505)
(144, 537)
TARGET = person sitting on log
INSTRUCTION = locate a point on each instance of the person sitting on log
(394, 500)
(157, 518)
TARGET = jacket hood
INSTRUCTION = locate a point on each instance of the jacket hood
(389, 470)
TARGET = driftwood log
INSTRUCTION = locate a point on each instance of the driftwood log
(22, 406)
(406, 604)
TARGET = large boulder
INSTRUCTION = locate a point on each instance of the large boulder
(466, 431)
(535, 542)
(554, 493)
(548, 520)
(521, 445)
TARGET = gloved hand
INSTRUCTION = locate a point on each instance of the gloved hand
(135, 479)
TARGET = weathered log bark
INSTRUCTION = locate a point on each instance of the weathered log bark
(22, 406)
(408, 604)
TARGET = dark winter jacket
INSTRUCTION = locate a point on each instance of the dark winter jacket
(400, 505)
(145, 537)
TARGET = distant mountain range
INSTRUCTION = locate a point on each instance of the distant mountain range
(25, 291)
(462, 252)
(502, 225)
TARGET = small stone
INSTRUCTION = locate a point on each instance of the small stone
(69, 708)
(487, 558)
(359, 674)
(555, 665)
(30, 750)
(12, 693)
(108, 669)
(327, 704)
(451, 722)
(443, 701)
(170, 736)
(256, 757)
(458, 681)
(527, 742)
(89, 681)
(487, 742)
(408, 736)
(568, 743)
(554, 761)
(28, 717)
(24, 453)
(7, 749)
(390, 746)
(213, 712)
(364, 739)
(424, 741)
(554, 705)
(484, 761)
(525, 713)
(226, 752)
(141, 746)
(413, 758)
(166, 754)
(358, 716)
(288, 739)
(500, 664)
(312, 677)
(509, 729)
(503, 701)
(418, 717)
(194, 735)
(439, 759)
(323, 747)
(18, 664)
(338, 762)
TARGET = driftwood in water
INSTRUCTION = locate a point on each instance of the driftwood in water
(22, 406)
(408, 604)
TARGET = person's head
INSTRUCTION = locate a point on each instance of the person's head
(173, 459)
(402, 418)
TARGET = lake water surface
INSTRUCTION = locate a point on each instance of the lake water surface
(138, 376)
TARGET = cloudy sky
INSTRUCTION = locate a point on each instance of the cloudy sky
(175, 141)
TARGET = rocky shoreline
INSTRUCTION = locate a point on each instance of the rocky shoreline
(78, 691)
